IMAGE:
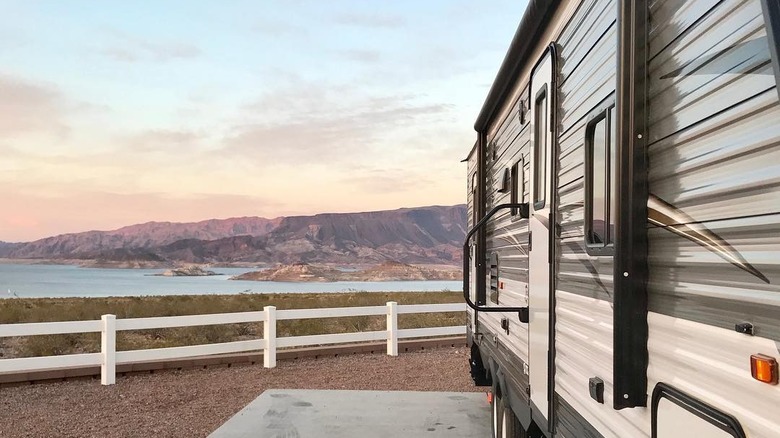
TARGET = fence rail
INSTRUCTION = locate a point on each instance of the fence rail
(109, 325)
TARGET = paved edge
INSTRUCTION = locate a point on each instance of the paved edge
(351, 414)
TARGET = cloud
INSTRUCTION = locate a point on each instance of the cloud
(12, 40)
(163, 139)
(120, 54)
(27, 107)
(311, 124)
(370, 20)
(362, 56)
(383, 181)
(276, 28)
(133, 49)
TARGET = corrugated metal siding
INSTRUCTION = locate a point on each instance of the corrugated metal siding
(583, 340)
(588, 67)
(671, 18)
(570, 423)
(725, 166)
(591, 82)
(712, 364)
(583, 327)
(715, 156)
(710, 66)
(506, 237)
(709, 363)
(471, 170)
(714, 140)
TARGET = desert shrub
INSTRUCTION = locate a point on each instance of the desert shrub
(56, 345)
(75, 309)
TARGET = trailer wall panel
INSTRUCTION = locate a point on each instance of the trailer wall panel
(715, 163)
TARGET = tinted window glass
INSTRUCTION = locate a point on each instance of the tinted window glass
(598, 187)
(612, 177)
(540, 152)
(600, 183)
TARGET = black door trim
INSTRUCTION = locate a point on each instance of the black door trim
(553, 232)
(630, 269)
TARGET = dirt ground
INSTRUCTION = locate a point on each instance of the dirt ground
(193, 403)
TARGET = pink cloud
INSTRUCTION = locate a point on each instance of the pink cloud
(27, 107)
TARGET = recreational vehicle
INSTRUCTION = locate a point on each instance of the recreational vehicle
(622, 265)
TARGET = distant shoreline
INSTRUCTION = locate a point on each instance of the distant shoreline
(387, 271)
(136, 264)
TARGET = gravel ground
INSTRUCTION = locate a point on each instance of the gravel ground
(193, 403)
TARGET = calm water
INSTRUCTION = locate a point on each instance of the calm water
(72, 281)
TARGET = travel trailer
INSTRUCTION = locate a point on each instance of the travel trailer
(623, 260)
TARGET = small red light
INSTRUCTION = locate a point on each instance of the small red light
(490, 397)
(764, 368)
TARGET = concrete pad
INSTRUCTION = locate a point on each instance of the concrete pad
(296, 413)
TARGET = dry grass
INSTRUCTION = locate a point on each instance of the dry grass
(79, 309)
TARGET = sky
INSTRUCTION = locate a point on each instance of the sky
(114, 113)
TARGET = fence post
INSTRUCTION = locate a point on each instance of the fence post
(108, 350)
(392, 328)
(269, 337)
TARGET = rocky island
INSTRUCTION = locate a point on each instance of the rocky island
(189, 271)
(387, 271)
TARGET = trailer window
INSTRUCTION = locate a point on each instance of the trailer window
(540, 150)
(517, 177)
(474, 199)
(600, 183)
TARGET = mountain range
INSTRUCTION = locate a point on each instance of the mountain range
(431, 235)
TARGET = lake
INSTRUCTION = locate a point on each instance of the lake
(35, 281)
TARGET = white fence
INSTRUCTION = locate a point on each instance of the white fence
(108, 325)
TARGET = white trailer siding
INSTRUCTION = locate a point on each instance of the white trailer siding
(714, 154)
(713, 144)
(584, 285)
(506, 237)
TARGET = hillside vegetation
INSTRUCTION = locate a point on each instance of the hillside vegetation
(79, 309)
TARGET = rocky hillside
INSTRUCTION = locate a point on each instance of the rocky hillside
(187, 271)
(93, 244)
(387, 271)
(394, 271)
(410, 235)
(6, 248)
(295, 272)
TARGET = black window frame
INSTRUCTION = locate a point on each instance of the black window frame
(506, 181)
(540, 160)
(604, 112)
(522, 111)
(517, 188)
(474, 196)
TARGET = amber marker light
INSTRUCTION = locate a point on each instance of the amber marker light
(763, 368)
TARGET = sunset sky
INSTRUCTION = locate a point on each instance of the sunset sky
(114, 113)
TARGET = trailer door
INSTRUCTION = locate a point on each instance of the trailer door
(540, 234)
